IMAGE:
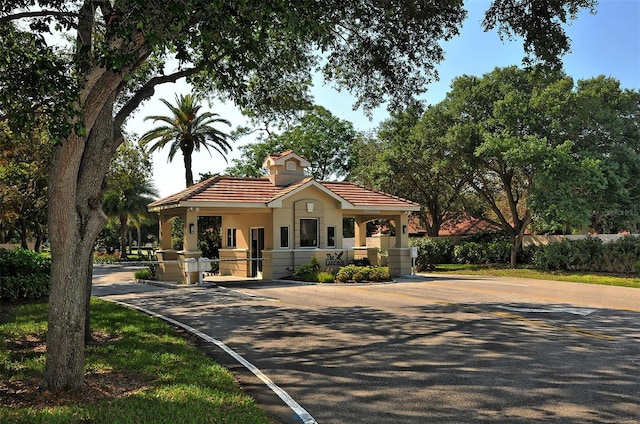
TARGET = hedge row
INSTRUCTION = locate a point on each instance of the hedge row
(590, 254)
(358, 274)
(24, 275)
(433, 251)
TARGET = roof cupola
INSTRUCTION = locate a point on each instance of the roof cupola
(285, 168)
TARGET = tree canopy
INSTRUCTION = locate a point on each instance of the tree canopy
(539, 150)
(322, 138)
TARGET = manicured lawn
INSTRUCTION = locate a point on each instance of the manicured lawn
(139, 370)
(574, 277)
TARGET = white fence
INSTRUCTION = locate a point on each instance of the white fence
(190, 265)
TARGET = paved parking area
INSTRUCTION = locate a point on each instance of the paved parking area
(434, 350)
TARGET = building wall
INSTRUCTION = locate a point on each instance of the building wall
(294, 208)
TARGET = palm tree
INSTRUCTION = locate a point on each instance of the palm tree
(188, 132)
(127, 203)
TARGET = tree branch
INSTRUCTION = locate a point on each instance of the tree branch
(37, 14)
(146, 92)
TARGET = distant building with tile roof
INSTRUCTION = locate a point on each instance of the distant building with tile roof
(274, 224)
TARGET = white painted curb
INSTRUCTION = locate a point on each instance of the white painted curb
(295, 407)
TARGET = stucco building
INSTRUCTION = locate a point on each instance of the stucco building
(273, 224)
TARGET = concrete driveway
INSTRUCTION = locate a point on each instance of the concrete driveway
(434, 349)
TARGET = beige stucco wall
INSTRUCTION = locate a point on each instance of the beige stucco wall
(294, 208)
(243, 222)
(234, 262)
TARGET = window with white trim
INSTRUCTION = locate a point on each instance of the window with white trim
(231, 237)
(284, 237)
(309, 232)
(331, 236)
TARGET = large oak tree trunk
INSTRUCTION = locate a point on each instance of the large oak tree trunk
(75, 220)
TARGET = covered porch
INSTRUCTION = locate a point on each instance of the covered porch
(247, 246)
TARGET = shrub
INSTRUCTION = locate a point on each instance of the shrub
(359, 274)
(143, 274)
(379, 273)
(483, 253)
(589, 254)
(308, 271)
(22, 262)
(31, 287)
(326, 277)
(24, 274)
(346, 273)
(432, 251)
(621, 255)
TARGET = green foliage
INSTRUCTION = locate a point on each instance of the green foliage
(326, 277)
(542, 30)
(589, 254)
(483, 253)
(178, 382)
(622, 254)
(177, 233)
(129, 190)
(209, 238)
(322, 138)
(23, 262)
(487, 248)
(432, 251)
(24, 275)
(24, 163)
(308, 271)
(186, 131)
(358, 274)
(142, 274)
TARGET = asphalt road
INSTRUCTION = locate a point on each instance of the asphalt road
(433, 349)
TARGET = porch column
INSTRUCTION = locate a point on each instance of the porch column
(187, 269)
(167, 271)
(360, 232)
(402, 230)
(190, 230)
(165, 232)
(399, 257)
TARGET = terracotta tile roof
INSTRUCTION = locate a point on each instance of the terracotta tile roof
(222, 189)
(225, 189)
(361, 196)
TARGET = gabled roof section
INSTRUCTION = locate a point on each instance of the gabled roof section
(222, 191)
(276, 202)
(366, 198)
(184, 194)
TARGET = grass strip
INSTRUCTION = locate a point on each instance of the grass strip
(139, 370)
(573, 277)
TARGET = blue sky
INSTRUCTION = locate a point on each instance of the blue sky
(607, 43)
